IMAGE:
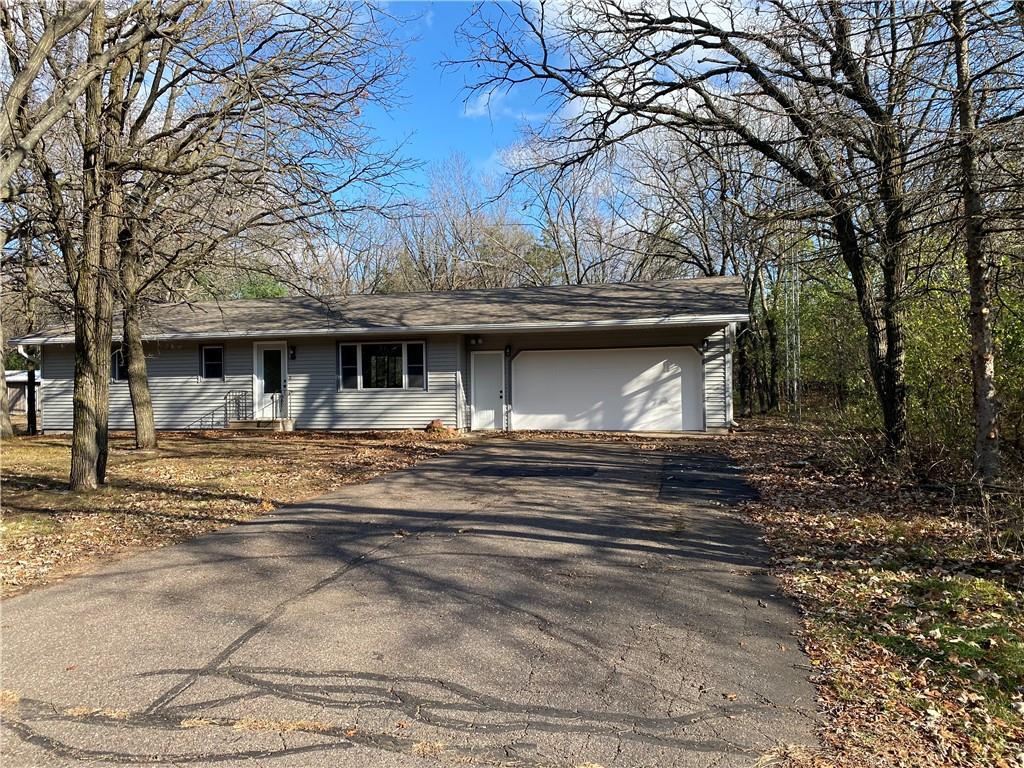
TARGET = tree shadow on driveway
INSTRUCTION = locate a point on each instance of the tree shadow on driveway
(520, 604)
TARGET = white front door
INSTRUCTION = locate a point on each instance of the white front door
(271, 378)
(487, 372)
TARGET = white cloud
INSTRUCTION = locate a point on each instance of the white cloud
(482, 104)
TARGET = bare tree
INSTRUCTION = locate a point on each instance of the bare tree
(31, 43)
(824, 91)
(6, 428)
(230, 130)
(460, 235)
(988, 100)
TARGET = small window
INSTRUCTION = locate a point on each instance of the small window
(118, 365)
(394, 365)
(414, 366)
(213, 362)
(350, 366)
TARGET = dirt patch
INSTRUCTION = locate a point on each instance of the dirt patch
(195, 482)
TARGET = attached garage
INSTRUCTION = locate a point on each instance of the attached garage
(632, 357)
(638, 389)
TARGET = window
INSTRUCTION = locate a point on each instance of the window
(118, 366)
(414, 366)
(350, 366)
(382, 366)
(212, 362)
(391, 365)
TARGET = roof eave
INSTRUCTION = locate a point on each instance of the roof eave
(543, 326)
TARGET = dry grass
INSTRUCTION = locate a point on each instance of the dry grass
(9, 700)
(913, 608)
(428, 749)
(280, 726)
(194, 483)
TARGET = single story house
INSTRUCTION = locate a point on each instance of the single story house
(649, 356)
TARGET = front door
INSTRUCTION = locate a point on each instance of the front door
(488, 376)
(271, 378)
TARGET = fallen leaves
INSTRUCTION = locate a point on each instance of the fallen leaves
(914, 612)
(194, 483)
(280, 726)
(9, 700)
(428, 749)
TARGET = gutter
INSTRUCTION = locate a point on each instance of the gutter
(669, 322)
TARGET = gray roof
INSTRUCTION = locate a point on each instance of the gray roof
(701, 301)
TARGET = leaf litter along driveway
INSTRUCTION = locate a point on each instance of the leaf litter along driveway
(517, 603)
(194, 483)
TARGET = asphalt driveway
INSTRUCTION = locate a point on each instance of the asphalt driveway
(521, 604)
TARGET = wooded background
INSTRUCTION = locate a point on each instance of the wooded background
(858, 164)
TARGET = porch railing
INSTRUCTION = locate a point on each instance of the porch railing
(238, 406)
(277, 406)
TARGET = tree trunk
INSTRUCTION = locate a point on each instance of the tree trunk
(138, 381)
(30, 399)
(761, 380)
(839, 370)
(112, 208)
(6, 428)
(980, 269)
(86, 401)
(111, 212)
(773, 386)
(897, 431)
(883, 327)
(83, 432)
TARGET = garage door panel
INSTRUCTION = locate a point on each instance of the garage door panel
(639, 389)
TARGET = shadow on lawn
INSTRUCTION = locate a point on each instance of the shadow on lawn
(192, 447)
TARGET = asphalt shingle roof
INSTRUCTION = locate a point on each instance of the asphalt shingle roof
(703, 300)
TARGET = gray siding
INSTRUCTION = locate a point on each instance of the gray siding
(317, 404)
(718, 381)
(181, 397)
(55, 392)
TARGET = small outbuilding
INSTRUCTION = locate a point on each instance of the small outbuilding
(17, 391)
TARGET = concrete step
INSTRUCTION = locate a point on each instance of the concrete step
(265, 425)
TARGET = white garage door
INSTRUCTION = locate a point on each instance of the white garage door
(639, 389)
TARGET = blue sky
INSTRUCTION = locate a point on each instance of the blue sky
(434, 119)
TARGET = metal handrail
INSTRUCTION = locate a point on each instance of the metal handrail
(280, 405)
(238, 406)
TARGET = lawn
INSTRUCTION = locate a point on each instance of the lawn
(194, 483)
